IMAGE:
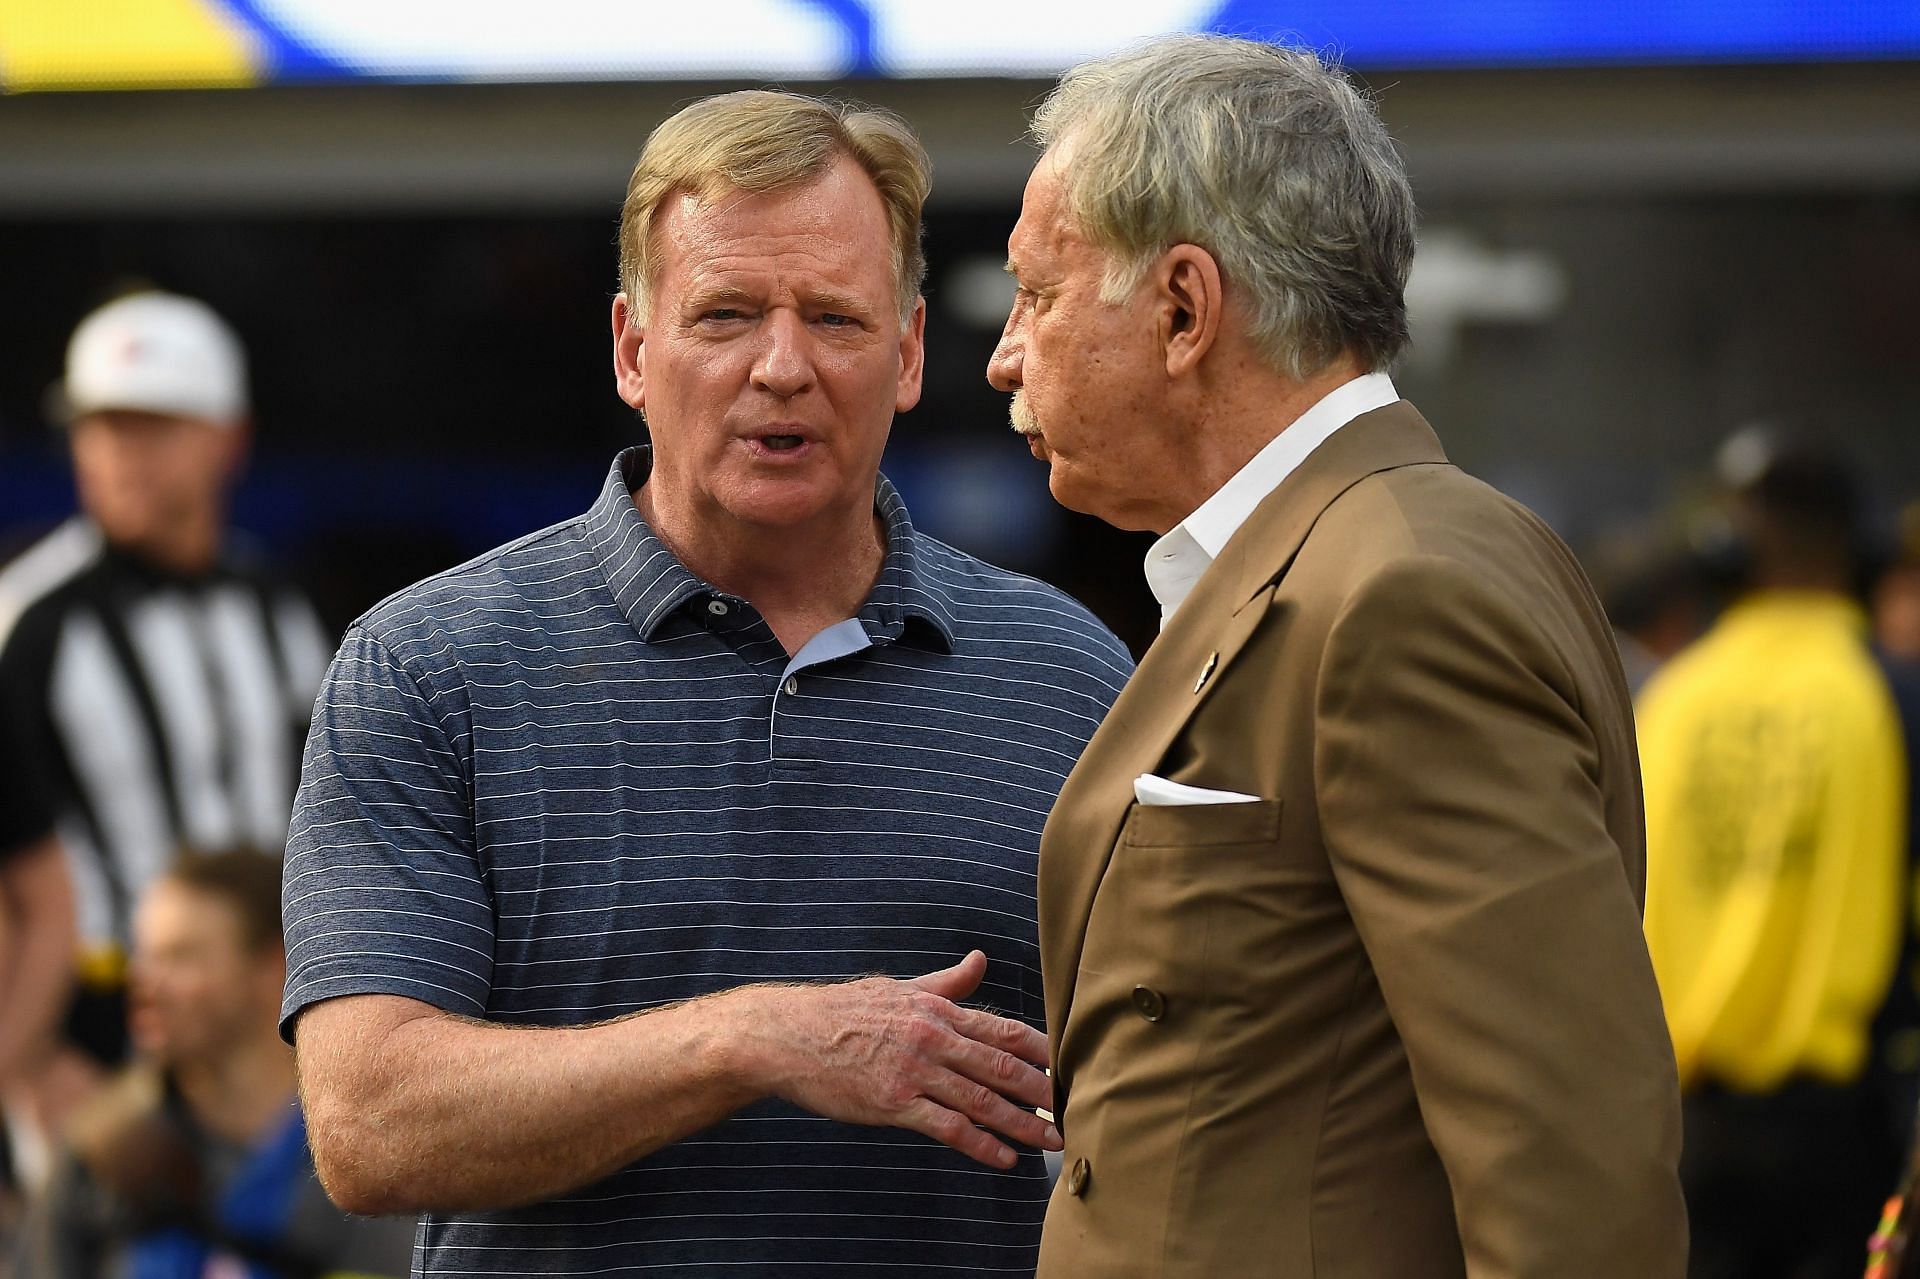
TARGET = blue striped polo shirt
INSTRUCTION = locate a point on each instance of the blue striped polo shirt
(570, 780)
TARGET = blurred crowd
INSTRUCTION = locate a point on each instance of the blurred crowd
(156, 674)
(1769, 635)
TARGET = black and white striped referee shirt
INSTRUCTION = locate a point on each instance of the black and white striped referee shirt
(160, 711)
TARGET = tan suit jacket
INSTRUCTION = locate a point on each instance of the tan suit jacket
(1396, 1019)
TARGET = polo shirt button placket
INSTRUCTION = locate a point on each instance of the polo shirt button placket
(792, 686)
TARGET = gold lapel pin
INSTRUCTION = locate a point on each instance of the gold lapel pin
(1213, 660)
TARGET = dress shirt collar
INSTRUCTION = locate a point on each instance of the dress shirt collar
(651, 585)
(1177, 560)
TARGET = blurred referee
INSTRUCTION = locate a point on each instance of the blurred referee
(158, 676)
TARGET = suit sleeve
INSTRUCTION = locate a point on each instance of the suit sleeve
(1460, 799)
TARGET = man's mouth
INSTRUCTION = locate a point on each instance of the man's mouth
(777, 443)
(1022, 419)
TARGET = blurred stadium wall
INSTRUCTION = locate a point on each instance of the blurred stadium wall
(1643, 227)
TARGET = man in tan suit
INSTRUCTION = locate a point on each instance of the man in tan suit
(1340, 912)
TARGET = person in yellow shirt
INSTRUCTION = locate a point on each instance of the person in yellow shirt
(1775, 780)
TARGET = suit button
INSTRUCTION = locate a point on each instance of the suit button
(1077, 1177)
(1149, 1003)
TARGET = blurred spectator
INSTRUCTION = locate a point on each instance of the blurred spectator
(158, 677)
(1896, 608)
(1775, 791)
(36, 939)
(1654, 596)
(194, 1162)
(1896, 597)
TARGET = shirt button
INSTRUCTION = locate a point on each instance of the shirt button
(1150, 1003)
(793, 686)
(717, 607)
(1077, 1177)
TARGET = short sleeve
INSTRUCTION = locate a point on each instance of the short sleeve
(384, 893)
(26, 807)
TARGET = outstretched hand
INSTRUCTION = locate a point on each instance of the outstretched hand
(905, 1054)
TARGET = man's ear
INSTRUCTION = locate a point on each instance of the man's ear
(239, 447)
(1192, 305)
(913, 357)
(629, 357)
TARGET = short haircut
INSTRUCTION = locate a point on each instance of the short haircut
(1264, 156)
(1807, 493)
(760, 140)
(247, 881)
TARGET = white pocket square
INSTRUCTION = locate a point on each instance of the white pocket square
(1158, 792)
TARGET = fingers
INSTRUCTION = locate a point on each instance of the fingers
(1004, 1033)
(983, 1105)
(1001, 1071)
(959, 981)
(907, 1054)
(954, 1105)
(951, 1128)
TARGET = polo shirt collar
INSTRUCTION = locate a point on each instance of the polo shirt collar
(905, 598)
(651, 585)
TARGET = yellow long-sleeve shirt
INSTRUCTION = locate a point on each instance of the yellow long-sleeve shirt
(1775, 786)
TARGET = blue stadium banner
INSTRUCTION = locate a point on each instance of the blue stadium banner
(95, 44)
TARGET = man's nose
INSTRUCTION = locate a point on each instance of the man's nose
(1003, 367)
(785, 364)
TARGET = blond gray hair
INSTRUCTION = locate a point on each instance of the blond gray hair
(760, 140)
(1266, 157)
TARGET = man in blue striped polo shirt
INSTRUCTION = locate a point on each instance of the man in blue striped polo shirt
(599, 832)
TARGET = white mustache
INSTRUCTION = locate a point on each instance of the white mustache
(1021, 415)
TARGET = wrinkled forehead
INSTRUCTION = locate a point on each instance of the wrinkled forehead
(826, 237)
(1047, 228)
(1046, 191)
(841, 203)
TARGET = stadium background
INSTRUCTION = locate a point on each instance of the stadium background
(1645, 224)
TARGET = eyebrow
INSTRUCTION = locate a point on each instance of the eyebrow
(701, 298)
(839, 302)
(726, 294)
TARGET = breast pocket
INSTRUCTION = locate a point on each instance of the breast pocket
(1152, 826)
(1174, 871)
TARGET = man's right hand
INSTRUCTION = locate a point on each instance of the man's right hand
(884, 1051)
(412, 1109)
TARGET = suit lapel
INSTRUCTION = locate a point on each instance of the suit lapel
(1174, 679)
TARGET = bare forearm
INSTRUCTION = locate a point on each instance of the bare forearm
(411, 1109)
(440, 1113)
(36, 953)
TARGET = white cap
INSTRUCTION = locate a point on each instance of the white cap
(158, 353)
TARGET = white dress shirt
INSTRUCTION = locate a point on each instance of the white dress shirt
(1179, 558)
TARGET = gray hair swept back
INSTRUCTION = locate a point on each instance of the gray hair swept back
(1266, 157)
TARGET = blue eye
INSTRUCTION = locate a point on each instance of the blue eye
(837, 320)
